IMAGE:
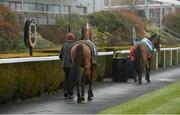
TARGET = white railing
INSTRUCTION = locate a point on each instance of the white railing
(51, 58)
(164, 55)
(36, 59)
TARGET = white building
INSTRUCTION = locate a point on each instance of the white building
(151, 9)
(45, 12)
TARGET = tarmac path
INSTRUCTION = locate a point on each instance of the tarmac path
(106, 94)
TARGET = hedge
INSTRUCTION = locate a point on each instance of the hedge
(24, 80)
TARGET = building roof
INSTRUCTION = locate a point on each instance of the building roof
(175, 2)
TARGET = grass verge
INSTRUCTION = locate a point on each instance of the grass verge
(162, 101)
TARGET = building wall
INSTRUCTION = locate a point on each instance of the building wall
(121, 2)
(89, 5)
(141, 6)
(45, 12)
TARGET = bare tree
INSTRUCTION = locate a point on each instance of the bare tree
(132, 4)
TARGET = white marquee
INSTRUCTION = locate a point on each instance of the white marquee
(175, 2)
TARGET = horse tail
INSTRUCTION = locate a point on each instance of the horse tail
(137, 60)
(76, 66)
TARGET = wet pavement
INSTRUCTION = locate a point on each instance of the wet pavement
(106, 94)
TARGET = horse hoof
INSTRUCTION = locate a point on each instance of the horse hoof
(89, 99)
(147, 79)
(140, 82)
(79, 101)
(91, 95)
(135, 80)
(70, 97)
(82, 98)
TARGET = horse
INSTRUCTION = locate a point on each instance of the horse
(81, 56)
(141, 55)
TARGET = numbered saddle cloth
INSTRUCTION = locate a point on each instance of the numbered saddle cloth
(148, 44)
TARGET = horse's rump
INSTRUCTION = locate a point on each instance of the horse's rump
(88, 44)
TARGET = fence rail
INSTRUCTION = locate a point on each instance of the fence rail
(51, 58)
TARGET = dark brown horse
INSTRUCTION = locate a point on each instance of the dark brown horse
(141, 56)
(82, 58)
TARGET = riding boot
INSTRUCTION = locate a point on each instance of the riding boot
(70, 94)
(139, 80)
(65, 93)
(135, 79)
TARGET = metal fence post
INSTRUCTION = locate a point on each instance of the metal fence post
(164, 59)
(177, 56)
(170, 57)
(157, 60)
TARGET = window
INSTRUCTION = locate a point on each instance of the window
(50, 8)
(32, 7)
(81, 10)
(40, 7)
(26, 7)
(56, 9)
(65, 9)
(13, 6)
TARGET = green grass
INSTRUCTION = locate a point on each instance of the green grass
(162, 101)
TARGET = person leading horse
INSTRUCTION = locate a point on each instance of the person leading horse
(141, 55)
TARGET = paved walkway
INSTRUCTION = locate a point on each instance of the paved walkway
(106, 94)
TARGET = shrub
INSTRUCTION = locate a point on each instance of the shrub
(109, 28)
(9, 29)
(172, 22)
(135, 21)
(101, 39)
(119, 24)
(76, 22)
(52, 33)
(151, 29)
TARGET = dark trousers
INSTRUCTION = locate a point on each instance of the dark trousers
(67, 71)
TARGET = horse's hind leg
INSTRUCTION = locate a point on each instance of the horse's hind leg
(134, 72)
(78, 93)
(90, 93)
(148, 72)
(140, 78)
(139, 74)
(83, 83)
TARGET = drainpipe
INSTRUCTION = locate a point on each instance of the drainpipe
(161, 14)
(173, 8)
(147, 8)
